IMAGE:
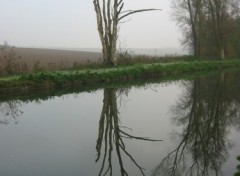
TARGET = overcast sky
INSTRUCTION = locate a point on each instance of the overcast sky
(72, 24)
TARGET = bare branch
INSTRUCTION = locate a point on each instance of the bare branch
(109, 13)
(140, 138)
(133, 160)
(130, 12)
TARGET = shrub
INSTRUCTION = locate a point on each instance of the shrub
(8, 60)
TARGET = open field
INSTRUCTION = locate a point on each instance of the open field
(53, 59)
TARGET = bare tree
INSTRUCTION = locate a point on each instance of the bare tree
(206, 113)
(111, 137)
(218, 10)
(8, 59)
(235, 8)
(188, 16)
(209, 26)
(109, 14)
(10, 110)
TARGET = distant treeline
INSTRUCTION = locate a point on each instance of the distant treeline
(211, 28)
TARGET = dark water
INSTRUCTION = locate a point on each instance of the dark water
(117, 131)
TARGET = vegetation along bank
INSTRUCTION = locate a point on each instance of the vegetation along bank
(93, 77)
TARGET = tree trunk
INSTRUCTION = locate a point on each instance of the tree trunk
(109, 13)
(222, 53)
(217, 10)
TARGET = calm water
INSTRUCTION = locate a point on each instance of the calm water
(117, 131)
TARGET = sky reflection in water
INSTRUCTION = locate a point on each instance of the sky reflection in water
(113, 130)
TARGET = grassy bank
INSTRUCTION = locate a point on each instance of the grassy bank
(44, 94)
(93, 77)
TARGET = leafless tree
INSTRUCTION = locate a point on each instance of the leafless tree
(209, 26)
(109, 14)
(8, 59)
(235, 8)
(10, 110)
(206, 112)
(188, 16)
(218, 10)
(111, 136)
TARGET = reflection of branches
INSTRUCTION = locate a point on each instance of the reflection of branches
(205, 113)
(238, 167)
(10, 110)
(112, 135)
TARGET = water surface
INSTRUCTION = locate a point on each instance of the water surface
(172, 128)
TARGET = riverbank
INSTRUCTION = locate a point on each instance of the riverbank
(101, 76)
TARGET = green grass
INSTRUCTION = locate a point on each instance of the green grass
(92, 77)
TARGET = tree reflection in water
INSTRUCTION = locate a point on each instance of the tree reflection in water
(238, 167)
(10, 110)
(110, 136)
(206, 111)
